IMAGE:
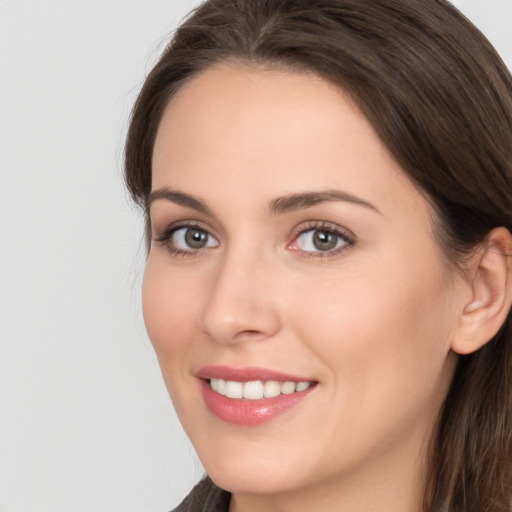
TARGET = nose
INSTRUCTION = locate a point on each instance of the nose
(241, 306)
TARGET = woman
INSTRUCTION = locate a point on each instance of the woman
(327, 187)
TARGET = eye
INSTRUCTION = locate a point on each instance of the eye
(191, 238)
(186, 240)
(321, 241)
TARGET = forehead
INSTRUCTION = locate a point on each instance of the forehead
(265, 130)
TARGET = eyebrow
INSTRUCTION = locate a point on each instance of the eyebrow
(301, 201)
(179, 198)
(278, 206)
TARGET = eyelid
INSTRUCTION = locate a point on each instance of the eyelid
(162, 234)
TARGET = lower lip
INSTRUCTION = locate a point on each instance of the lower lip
(250, 412)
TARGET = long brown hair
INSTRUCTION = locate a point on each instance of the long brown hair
(440, 98)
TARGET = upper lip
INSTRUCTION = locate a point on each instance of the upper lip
(247, 374)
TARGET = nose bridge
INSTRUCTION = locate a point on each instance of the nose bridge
(240, 305)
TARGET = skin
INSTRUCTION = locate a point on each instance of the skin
(372, 323)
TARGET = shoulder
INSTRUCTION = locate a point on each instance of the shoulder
(205, 497)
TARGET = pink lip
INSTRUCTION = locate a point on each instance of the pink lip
(246, 374)
(248, 412)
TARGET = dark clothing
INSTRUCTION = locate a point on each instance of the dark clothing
(205, 497)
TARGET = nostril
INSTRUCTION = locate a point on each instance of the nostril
(249, 334)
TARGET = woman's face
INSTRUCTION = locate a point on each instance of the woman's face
(289, 246)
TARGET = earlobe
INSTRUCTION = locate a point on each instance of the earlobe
(491, 293)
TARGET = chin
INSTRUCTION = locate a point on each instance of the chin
(253, 480)
(251, 470)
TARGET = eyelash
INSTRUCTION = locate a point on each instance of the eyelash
(346, 237)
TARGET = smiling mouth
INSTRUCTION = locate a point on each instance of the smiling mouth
(257, 389)
(251, 396)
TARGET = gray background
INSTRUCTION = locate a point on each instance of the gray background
(85, 421)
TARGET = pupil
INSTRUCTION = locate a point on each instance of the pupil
(324, 240)
(195, 238)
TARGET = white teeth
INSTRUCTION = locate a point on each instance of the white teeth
(234, 389)
(288, 388)
(253, 390)
(302, 386)
(256, 389)
(272, 388)
(218, 385)
(221, 386)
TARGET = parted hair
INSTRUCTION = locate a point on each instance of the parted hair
(440, 98)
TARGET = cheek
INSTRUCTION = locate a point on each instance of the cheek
(171, 312)
(379, 332)
(169, 308)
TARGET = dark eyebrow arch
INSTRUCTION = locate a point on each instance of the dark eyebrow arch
(177, 197)
(301, 201)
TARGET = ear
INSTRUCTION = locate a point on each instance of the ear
(490, 279)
